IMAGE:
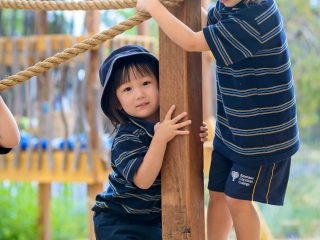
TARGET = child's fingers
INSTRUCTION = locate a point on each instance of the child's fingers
(203, 134)
(170, 112)
(183, 124)
(203, 139)
(179, 117)
(203, 129)
(182, 132)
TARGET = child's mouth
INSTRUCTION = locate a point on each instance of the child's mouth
(142, 105)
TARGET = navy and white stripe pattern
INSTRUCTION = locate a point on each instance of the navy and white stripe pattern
(128, 150)
(256, 116)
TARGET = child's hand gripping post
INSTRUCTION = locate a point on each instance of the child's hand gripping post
(166, 130)
(203, 132)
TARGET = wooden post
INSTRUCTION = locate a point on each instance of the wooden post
(182, 172)
(93, 23)
(44, 192)
(44, 195)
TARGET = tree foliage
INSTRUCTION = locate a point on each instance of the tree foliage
(302, 21)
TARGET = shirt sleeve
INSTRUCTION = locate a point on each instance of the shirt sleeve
(127, 155)
(232, 40)
(4, 150)
(212, 16)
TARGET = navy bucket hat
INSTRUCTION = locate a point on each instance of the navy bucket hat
(107, 67)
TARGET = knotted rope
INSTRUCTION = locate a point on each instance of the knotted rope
(81, 47)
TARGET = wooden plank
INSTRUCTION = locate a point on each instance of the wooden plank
(92, 69)
(58, 174)
(44, 197)
(40, 43)
(182, 175)
(93, 190)
(43, 87)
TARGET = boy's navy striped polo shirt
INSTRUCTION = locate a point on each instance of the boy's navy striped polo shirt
(256, 105)
(129, 147)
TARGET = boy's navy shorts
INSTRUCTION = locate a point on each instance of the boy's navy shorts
(113, 226)
(265, 183)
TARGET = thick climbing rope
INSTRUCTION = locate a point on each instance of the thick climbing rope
(78, 48)
(69, 5)
(61, 5)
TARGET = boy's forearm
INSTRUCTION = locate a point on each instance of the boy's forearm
(9, 133)
(204, 17)
(151, 164)
(176, 30)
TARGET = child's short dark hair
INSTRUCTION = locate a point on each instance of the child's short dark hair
(139, 66)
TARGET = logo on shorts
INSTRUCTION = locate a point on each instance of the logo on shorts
(234, 175)
(242, 179)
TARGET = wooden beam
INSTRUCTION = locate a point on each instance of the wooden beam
(92, 67)
(44, 199)
(39, 44)
(93, 189)
(44, 193)
(182, 172)
(25, 173)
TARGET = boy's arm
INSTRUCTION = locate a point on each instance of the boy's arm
(176, 30)
(9, 132)
(204, 17)
(152, 162)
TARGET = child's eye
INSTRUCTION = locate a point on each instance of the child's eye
(145, 83)
(127, 89)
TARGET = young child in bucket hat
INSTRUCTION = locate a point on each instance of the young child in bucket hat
(256, 130)
(130, 208)
(9, 132)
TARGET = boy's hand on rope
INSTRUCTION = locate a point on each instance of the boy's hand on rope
(203, 132)
(166, 130)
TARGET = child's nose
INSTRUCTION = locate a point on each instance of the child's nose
(139, 93)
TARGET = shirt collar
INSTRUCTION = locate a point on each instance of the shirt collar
(225, 9)
(147, 126)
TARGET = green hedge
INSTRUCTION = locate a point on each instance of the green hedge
(19, 213)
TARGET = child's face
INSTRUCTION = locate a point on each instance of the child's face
(140, 97)
(230, 3)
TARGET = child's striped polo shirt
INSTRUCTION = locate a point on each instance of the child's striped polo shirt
(256, 105)
(128, 150)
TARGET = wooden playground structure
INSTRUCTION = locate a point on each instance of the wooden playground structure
(40, 163)
(182, 174)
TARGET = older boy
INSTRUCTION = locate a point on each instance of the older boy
(256, 132)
